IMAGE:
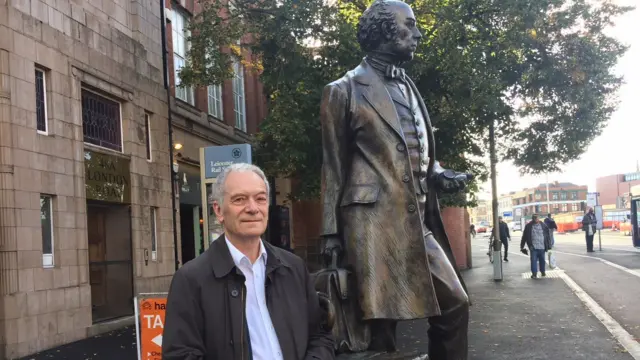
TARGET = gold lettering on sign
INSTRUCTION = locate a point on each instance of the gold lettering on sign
(107, 177)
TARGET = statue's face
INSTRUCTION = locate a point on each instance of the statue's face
(407, 36)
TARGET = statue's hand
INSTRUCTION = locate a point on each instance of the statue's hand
(450, 181)
(332, 246)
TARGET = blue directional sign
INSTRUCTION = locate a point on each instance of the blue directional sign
(217, 158)
(507, 214)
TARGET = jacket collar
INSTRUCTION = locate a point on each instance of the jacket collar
(222, 263)
(364, 74)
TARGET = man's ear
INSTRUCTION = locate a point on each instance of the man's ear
(388, 30)
(218, 211)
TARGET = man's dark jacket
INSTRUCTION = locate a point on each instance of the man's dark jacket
(504, 231)
(551, 224)
(526, 236)
(206, 316)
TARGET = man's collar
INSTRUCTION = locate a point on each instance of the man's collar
(222, 262)
(237, 255)
(384, 68)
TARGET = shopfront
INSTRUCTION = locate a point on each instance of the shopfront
(108, 193)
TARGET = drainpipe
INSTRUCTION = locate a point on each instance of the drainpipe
(165, 71)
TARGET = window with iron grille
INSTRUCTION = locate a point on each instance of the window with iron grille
(238, 96)
(147, 130)
(101, 123)
(41, 102)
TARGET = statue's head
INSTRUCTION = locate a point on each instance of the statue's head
(389, 26)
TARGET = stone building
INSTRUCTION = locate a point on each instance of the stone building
(84, 143)
(85, 204)
(216, 115)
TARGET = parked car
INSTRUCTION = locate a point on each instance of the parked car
(515, 226)
(481, 229)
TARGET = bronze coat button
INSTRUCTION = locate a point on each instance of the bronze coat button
(406, 178)
(412, 208)
(400, 147)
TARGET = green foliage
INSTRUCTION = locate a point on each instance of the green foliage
(542, 70)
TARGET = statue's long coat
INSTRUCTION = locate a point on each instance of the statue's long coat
(369, 198)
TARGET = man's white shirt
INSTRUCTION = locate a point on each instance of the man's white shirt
(264, 340)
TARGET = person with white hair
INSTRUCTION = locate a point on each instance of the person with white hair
(589, 223)
(244, 298)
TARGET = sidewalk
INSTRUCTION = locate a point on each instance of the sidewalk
(516, 319)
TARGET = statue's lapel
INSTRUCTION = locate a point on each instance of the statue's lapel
(377, 95)
(397, 96)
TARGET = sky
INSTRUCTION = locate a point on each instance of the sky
(616, 150)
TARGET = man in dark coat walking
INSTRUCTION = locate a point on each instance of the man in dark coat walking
(380, 180)
(536, 237)
(505, 237)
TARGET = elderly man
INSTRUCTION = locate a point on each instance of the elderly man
(379, 191)
(243, 298)
(536, 236)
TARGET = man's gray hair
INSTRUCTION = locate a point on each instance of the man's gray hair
(218, 189)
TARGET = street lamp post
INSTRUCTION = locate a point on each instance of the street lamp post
(548, 200)
(497, 259)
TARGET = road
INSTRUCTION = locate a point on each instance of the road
(611, 276)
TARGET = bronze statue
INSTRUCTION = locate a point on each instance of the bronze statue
(379, 185)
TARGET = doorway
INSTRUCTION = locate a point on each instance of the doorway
(110, 260)
(191, 232)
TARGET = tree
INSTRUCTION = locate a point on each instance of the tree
(542, 70)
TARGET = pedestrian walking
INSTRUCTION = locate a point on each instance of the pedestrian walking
(589, 223)
(553, 227)
(536, 237)
(472, 230)
(505, 237)
(244, 298)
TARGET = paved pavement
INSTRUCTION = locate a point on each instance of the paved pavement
(518, 318)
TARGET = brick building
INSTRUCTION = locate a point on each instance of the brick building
(216, 115)
(563, 198)
(85, 215)
(615, 189)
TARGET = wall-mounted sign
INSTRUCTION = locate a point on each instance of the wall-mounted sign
(107, 177)
(217, 158)
(507, 214)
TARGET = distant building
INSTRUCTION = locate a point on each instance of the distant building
(481, 214)
(615, 189)
(563, 198)
(505, 206)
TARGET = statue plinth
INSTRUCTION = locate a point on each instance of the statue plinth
(399, 355)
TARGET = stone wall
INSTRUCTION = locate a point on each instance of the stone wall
(113, 47)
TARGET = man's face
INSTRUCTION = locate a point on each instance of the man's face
(245, 210)
(534, 219)
(405, 42)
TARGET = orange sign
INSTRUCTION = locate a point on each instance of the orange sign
(152, 312)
